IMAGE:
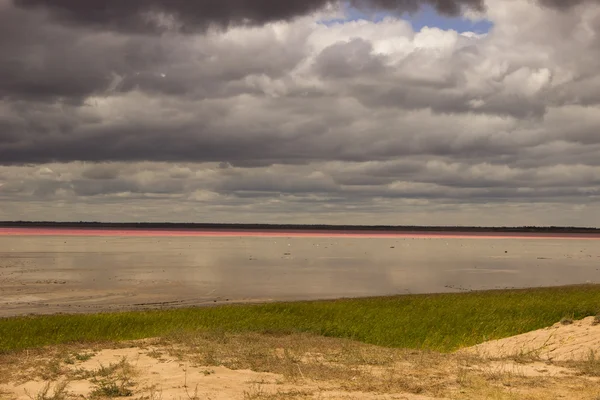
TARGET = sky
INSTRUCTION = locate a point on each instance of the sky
(425, 16)
(396, 112)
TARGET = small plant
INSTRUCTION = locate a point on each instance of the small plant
(153, 394)
(596, 320)
(115, 380)
(51, 370)
(59, 392)
(155, 354)
(566, 321)
(207, 372)
(111, 369)
(83, 356)
(591, 366)
(193, 396)
(111, 388)
(255, 392)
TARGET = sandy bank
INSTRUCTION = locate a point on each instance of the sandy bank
(252, 366)
(577, 340)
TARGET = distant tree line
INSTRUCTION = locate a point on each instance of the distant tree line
(294, 227)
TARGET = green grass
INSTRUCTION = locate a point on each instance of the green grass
(442, 322)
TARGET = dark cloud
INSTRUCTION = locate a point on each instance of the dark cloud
(198, 15)
(564, 4)
(45, 62)
(31, 71)
(194, 15)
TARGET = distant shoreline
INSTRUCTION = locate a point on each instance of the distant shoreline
(203, 232)
(292, 228)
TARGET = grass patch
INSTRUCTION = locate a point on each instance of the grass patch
(441, 322)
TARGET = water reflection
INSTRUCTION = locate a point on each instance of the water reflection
(121, 271)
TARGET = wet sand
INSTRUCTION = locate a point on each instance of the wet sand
(45, 271)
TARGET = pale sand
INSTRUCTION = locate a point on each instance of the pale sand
(558, 342)
(170, 378)
(310, 367)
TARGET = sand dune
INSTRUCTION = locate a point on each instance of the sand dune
(576, 341)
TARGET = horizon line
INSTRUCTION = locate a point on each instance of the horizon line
(298, 225)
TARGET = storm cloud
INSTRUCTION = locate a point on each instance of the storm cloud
(294, 111)
(195, 15)
(152, 15)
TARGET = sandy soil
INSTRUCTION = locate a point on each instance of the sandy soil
(221, 366)
(560, 342)
(169, 378)
(157, 375)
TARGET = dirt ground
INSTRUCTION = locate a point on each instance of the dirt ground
(558, 362)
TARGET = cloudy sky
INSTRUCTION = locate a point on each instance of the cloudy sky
(431, 112)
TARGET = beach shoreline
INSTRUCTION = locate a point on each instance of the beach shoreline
(162, 232)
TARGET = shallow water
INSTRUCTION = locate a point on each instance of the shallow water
(47, 274)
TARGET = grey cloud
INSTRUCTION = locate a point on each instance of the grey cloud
(47, 62)
(423, 79)
(177, 172)
(419, 184)
(347, 60)
(101, 171)
(262, 139)
(563, 4)
(108, 187)
(469, 175)
(272, 183)
(8, 133)
(42, 61)
(194, 15)
(424, 179)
